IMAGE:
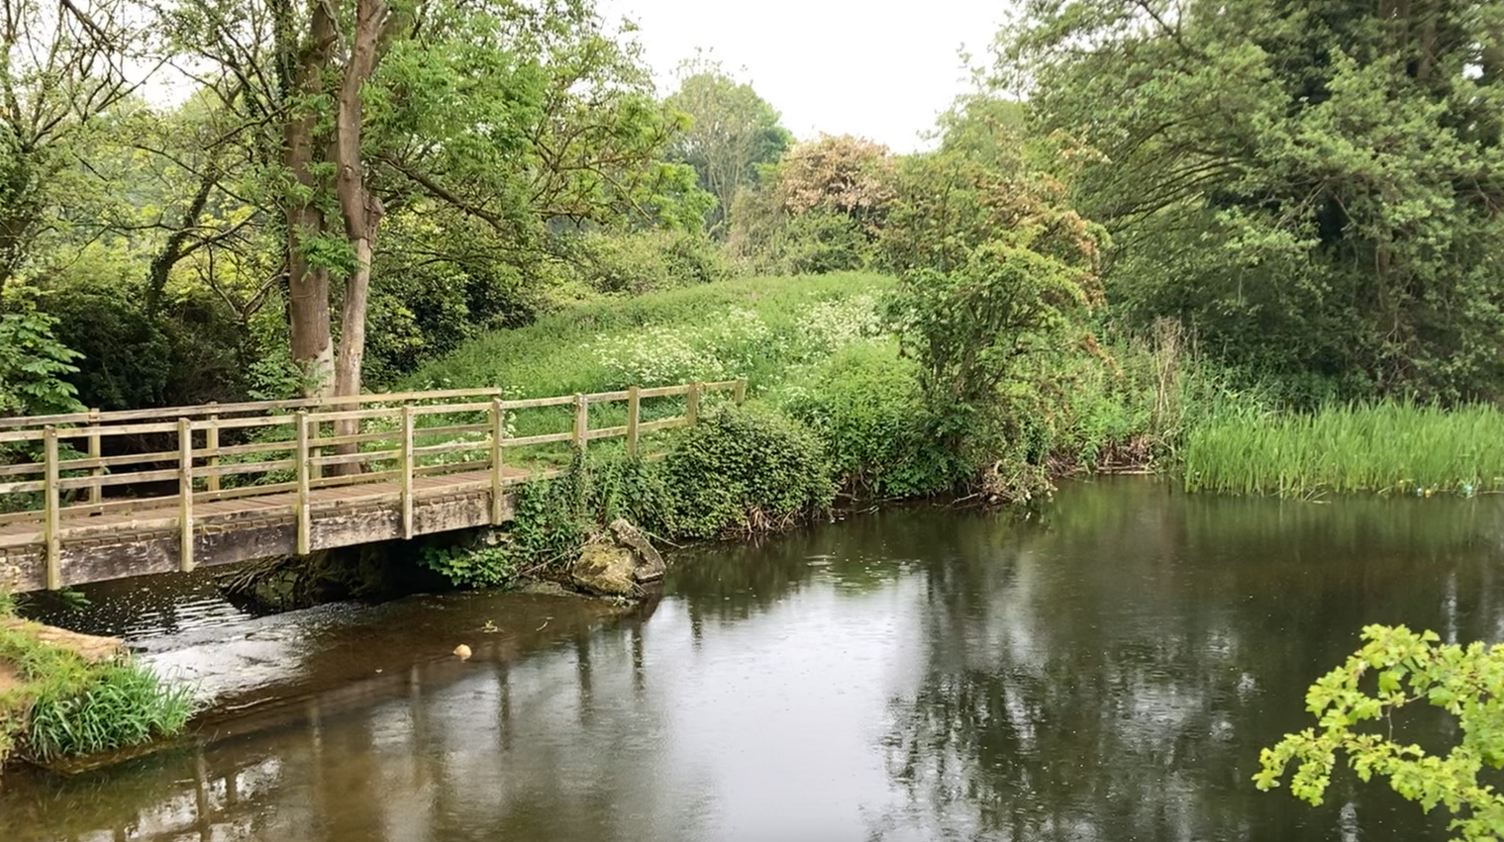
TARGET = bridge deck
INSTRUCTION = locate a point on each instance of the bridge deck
(87, 502)
(154, 518)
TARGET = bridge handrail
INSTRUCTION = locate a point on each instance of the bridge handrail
(198, 410)
(196, 460)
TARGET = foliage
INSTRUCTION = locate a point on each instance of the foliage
(67, 706)
(818, 210)
(865, 404)
(1312, 187)
(971, 329)
(34, 365)
(1244, 447)
(643, 261)
(471, 567)
(1397, 668)
(732, 132)
(743, 471)
(842, 174)
(187, 351)
(552, 520)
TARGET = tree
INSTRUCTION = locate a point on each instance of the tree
(1397, 668)
(61, 68)
(1315, 186)
(732, 133)
(529, 118)
(819, 209)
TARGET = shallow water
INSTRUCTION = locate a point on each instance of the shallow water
(1107, 671)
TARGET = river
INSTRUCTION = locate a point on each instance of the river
(1104, 670)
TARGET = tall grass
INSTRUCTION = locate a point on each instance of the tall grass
(1389, 446)
(67, 706)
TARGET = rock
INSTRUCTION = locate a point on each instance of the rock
(606, 568)
(547, 588)
(650, 566)
(87, 646)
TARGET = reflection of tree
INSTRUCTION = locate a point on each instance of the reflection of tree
(1111, 673)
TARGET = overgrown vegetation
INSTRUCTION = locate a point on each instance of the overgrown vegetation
(65, 706)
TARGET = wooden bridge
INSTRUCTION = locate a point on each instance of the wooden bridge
(107, 495)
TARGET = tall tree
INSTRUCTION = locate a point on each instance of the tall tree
(733, 132)
(1316, 186)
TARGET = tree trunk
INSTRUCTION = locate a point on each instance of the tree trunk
(361, 210)
(308, 286)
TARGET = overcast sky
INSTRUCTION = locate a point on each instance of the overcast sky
(877, 68)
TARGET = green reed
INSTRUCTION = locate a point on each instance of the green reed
(1387, 447)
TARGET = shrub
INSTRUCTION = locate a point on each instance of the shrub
(866, 406)
(33, 362)
(551, 522)
(743, 470)
(644, 261)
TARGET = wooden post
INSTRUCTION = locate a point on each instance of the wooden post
(634, 415)
(407, 470)
(581, 421)
(185, 495)
(498, 432)
(305, 516)
(692, 407)
(739, 394)
(96, 451)
(211, 443)
(52, 509)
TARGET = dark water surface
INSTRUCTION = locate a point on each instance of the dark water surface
(1107, 671)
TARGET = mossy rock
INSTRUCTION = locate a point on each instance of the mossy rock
(607, 569)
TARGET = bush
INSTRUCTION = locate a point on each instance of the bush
(743, 470)
(644, 261)
(33, 363)
(187, 353)
(866, 406)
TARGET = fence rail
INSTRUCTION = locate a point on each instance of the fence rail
(167, 463)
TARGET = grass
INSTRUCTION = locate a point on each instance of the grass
(763, 329)
(1387, 447)
(702, 332)
(66, 706)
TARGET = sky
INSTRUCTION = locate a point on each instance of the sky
(881, 69)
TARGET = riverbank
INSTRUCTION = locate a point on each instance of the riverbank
(839, 407)
(65, 695)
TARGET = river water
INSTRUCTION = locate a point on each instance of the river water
(1105, 670)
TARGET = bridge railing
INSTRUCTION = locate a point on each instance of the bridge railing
(166, 465)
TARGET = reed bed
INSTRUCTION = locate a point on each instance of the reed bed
(1383, 447)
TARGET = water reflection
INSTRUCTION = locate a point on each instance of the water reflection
(1107, 673)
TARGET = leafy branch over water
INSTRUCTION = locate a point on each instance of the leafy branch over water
(1402, 668)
